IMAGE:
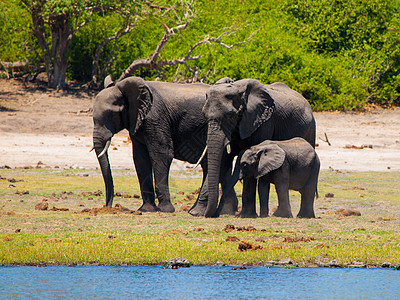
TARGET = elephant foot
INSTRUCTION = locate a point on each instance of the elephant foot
(147, 207)
(248, 215)
(264, 215)
(166, 207)
(198, 210)
(283, 213)
(306, 215)
(229, 209)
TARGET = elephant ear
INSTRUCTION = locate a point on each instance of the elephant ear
(271, 158)
(224, 80)
(108, 82)
(259, 107)
(139, 100)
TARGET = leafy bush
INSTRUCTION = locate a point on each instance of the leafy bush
(341, 55)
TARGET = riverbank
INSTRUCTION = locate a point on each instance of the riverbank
(56, 217)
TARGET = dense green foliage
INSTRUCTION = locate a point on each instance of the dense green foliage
(339, 54)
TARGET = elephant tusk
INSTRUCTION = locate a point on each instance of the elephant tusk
(228, 148)
(201, 157)
(105, 148)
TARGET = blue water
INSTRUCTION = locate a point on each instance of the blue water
(154, 282)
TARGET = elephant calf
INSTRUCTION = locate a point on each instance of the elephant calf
(291, 164)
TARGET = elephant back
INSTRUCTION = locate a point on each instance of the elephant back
(293, 115)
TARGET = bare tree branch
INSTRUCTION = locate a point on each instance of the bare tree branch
(151, 5)
(154, 63)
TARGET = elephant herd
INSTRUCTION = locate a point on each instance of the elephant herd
(269, 128)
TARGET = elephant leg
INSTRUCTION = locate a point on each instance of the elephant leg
(230, 205)
(307, 195)
(281, 181)
(307, 202)
(249, 198)
(200, 206)
(307, 198)
(161, 162)
(263, 195)
(144, 172)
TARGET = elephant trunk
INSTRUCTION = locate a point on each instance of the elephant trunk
(101, 147)
(215, 145)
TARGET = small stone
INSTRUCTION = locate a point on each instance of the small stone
(285, 261)
(386, 265)
(180, 262)
(357, 264)
(334, 264)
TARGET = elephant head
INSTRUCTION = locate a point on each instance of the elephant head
(235, 109)
(260, 160)
(120, 106)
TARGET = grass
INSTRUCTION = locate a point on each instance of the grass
(53, 237)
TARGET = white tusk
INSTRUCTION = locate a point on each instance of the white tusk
(201, 157)
(105, 148)
(228, 148)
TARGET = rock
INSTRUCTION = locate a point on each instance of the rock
(386, 265)
(398, 267)
(239, 268)
(357, 264)
(333, 264)
(285, 261)
(176, 263)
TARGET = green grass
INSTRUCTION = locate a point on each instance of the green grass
(33, 237)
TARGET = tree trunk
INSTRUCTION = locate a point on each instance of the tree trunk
(61, 37)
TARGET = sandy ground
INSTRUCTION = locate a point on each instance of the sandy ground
(53, 128)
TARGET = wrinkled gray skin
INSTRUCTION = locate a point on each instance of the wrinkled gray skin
(245, 113)
(291, 164)
(164, 120)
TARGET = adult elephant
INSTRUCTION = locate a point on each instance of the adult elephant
(246, 112)
(164, 120)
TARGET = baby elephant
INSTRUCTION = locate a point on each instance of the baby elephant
(291, 164)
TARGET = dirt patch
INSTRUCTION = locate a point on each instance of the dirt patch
(118, 208)
(54, 128)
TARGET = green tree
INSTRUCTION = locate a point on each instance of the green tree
(55, 23)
